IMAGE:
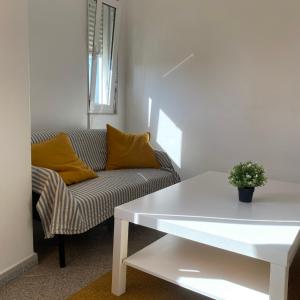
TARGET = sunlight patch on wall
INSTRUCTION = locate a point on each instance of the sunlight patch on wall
(169, 137)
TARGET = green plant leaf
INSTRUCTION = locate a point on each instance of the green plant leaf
(247, 174)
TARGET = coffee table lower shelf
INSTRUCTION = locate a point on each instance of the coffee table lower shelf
(203, 269)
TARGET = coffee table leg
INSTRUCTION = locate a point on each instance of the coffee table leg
(278, 282)
(119, 254)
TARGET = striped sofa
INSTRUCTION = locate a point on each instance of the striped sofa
(75, 209)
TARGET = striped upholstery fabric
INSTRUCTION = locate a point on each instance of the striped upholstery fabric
(56, 206)
(166, 163)
(98, 197)
(77, 208)
(38, 136)
(90, 146)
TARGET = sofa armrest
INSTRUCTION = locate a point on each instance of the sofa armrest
(166, 164)
(164, 160)
(55, 206)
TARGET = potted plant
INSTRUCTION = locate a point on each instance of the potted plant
(246, 177)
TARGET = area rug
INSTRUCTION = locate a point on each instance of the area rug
(140, 286)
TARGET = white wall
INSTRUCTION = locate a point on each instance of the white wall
(58, 66)
(15, 177)
(235, 97)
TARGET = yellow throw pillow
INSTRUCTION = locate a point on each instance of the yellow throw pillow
(128, 151)
(58, 154)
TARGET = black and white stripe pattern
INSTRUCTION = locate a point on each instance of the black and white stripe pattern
(38, 136)
(79, 207)
(56, 204)
(166, 163)
(98, 197)
(90, 145)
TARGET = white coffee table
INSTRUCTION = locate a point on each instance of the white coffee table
(215, 245)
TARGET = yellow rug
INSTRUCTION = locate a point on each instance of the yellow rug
(140, 286)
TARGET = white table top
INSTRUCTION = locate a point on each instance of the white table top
(206, 209)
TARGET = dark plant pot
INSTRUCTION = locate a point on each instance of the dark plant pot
(246, 194)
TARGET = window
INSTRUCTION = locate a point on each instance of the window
(103, 31)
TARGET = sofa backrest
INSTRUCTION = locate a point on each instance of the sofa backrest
(89, 144)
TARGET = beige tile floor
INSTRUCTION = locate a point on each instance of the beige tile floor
(88, 257)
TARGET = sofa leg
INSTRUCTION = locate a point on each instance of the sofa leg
(110, 225)
(61, 250)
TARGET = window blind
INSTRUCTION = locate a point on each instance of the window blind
(95, 26)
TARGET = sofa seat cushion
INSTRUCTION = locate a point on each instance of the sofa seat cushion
(97, 197)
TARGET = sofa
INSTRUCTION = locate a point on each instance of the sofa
(74, 209)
